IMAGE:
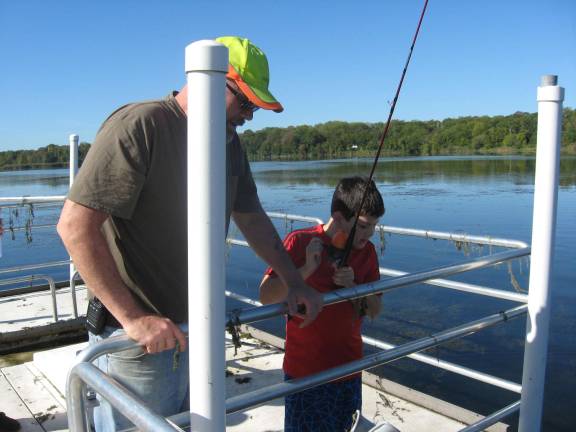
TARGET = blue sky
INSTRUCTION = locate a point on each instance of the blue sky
(65, 65)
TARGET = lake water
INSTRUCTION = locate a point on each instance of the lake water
(476, 195)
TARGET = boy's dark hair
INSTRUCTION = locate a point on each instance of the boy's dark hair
(348, 196)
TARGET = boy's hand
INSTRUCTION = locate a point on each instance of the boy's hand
(368, 306)
(344, 277)
(313, 255)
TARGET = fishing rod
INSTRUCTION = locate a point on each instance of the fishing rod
(350, 240)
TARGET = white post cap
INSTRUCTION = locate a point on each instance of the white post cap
(549, 90)
(206, 55)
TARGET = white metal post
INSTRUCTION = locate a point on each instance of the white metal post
(550, 97)
(2, 224)
(206, 65)
(73, 140)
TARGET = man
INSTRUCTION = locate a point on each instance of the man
(124, 225)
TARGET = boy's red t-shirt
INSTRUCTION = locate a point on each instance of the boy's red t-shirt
(334, 337)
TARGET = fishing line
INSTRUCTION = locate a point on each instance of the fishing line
(352, 233)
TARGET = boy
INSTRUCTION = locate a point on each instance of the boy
(335, 337)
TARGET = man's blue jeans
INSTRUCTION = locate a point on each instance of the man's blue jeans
(160, 380)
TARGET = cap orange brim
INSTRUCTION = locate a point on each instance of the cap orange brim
(274, 106)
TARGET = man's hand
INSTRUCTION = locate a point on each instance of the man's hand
(155, 333)
(311, 300)
(263, 238)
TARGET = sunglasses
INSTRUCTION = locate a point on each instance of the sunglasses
(243, 102)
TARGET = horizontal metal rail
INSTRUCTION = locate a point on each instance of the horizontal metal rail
(105, 346)
(292, 217)
(120, 398)
(251, 315)
(32, 278)
(260, 396)
(34, 266)
(37, 205)
(242, 298)
(465, 287)
(123, 342)
(456, 237)
(256, 314)
(438, 235)
(432, 361)
(444, 283)
(493, 418)
(32, 199)
(29, 290)
(23, 228)
(452, 367)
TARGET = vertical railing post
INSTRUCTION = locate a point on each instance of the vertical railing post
(206, 65)
(550, 97)
(1, 235)
(73, 139)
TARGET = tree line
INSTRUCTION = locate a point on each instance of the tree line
(51, 156)
(512, 134)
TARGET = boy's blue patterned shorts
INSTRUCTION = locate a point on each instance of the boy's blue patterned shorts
(326, 408)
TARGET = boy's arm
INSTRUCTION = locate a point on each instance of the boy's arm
(373, 305)
(272, 290)
(263, 238)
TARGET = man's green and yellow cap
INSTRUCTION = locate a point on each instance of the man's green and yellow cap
(248, 67)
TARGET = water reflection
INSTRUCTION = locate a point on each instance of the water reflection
(34, 182)
(483, 196)
(515, 170)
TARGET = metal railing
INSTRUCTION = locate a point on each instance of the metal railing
(399, 279)
(75, 390)
(21, 200)
(32, 278)
(550, 97)
(119, 396)
(40, 202)
(255, 314)
(260, 396)
(454, 237)
(77, 418)
(493, 418)
(49, 279)
(432, 361)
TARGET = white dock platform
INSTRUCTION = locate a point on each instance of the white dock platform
(33, 393)
(27, 319)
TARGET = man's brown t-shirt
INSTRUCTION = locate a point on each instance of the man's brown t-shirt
(136, 172)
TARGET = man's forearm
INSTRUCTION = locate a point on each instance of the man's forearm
(272, 290)
(264, 240)
(91, 255)
(97, 267)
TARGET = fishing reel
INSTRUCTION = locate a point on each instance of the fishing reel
(336, 253)
(337, 247)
